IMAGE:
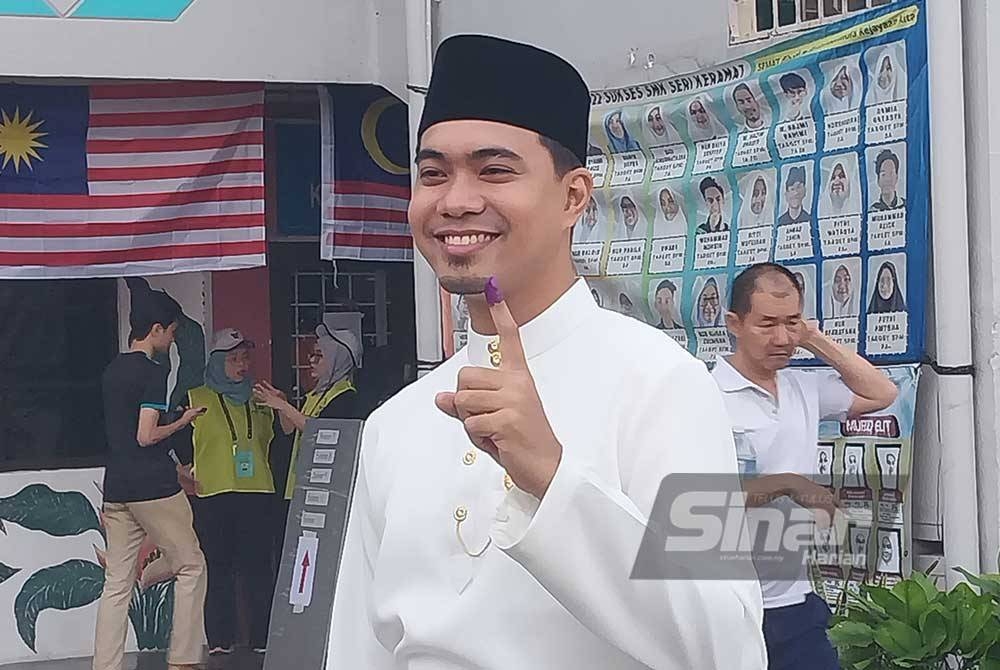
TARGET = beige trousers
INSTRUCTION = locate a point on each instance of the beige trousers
(169, 523)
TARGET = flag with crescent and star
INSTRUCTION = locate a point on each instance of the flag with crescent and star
(130, 179)
(366, 174)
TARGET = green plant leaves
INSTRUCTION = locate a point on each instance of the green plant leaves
(57, 513)
(151, 613)
(72, 584)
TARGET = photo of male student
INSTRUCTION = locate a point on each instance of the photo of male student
(779, 409)
(795, 195)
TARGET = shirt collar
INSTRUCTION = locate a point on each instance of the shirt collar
(731, 380)
(543, 332)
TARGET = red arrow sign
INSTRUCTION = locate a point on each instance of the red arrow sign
(305, 571)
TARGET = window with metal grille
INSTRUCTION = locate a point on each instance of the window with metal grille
(314, 293)
(762, 19)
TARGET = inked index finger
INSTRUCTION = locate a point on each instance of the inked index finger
(512, 355)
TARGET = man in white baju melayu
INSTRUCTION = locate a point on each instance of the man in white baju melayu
(501, 499)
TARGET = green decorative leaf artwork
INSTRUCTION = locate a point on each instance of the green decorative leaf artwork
(75, 583)
(57, 513)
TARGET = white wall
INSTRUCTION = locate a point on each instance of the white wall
(981, 20)
(286, 41)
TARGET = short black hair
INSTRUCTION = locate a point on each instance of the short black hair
(707, 183)
(564, 160)
(742, 87)
(883, 156)
(154, 308)
(666, 283)
(746, 283)
(791, 81)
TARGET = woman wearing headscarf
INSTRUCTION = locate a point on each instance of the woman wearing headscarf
(335, 356)
(657, 130)
(758, 203)
(840, 298)
(838, 197)
(632, 222)
(887, 297)
(231, 444)
(619, 139)
(702, 124)
(669, 220)
(840, 94)
(708, 309)
(886, 84)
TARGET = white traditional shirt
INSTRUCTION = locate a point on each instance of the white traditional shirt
(783, 432)
(551, 588)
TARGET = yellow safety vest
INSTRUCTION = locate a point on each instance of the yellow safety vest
(313, 407)
(232, 444)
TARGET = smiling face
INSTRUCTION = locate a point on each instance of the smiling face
(629, 212)
(796, 194)
(838, 180)
(656, 124)
(842, 284)
(795, 98)
(888, 179)
(590, 215)
(708, 303)
(841, 85)
(487, 201)
(668, 205)
(759, 196)
(698, 113)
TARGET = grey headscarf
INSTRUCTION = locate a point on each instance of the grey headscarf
(342, 353)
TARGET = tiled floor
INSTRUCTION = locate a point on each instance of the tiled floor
(238, 661)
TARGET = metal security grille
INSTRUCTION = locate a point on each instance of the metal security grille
(314, 293)
(771, 18)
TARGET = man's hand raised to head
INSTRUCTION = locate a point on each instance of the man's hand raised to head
(501, 410)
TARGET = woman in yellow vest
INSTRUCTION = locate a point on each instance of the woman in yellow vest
(335, 357)
(232, 443)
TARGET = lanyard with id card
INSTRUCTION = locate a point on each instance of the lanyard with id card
(242, 460)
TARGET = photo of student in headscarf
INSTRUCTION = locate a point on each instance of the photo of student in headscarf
(843, 88)
(805, 276)
(794, 91)
(665, 299)
(886, 73)
(714, 197)
(757, 191)
(669, 220)
(619, 138)
(887, 176)
(841, 282)
(841, 195)
(702, 122)
(591, 226)
(750, 106)
(797, 194)
(631, 221)
(657, 128)
(709, 300)
(625, 297)
(886, 284)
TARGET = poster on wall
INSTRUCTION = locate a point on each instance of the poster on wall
(867, 463)
(812, 154)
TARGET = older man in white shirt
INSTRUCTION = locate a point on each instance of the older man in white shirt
(501, 499)
(776, 412)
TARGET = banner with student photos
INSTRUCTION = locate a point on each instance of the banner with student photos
(867, 463)
(813, 154)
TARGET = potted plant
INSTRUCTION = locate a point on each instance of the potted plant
(915, 625)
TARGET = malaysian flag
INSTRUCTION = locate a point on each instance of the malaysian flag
(132, 179)
(366, 174)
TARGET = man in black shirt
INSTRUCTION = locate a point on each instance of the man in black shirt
(143, 496)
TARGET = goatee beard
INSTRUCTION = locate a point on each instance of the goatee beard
(463, 285)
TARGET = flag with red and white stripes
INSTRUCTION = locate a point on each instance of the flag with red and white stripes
(366, 175)
(131, 179)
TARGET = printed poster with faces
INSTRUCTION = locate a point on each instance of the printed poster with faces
(812, 154)
(866, 462)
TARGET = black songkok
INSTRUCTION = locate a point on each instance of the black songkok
(491, 79)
